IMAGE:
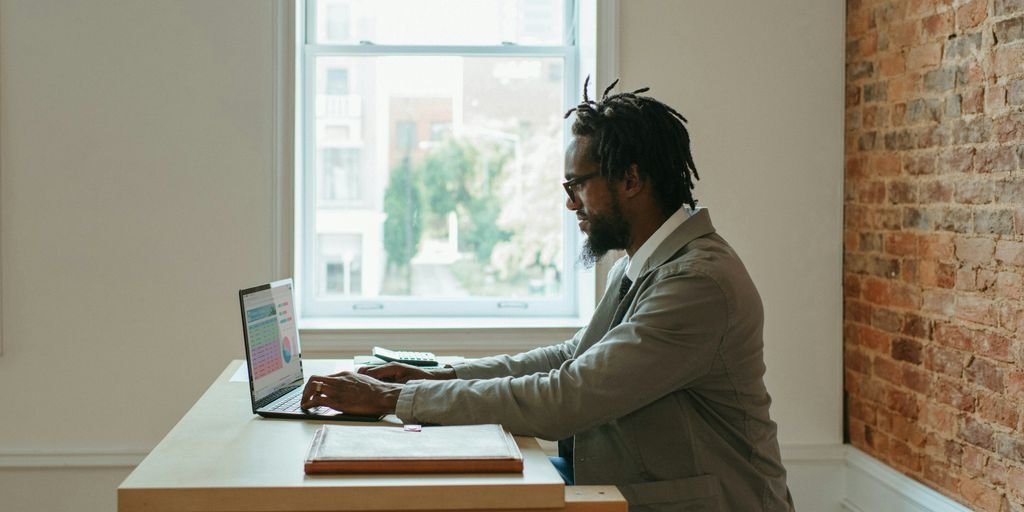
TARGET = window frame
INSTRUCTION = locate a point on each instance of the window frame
(345, 338)
(579, 283)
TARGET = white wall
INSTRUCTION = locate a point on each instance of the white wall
(137, 176)
(761, 84)
(137, 167)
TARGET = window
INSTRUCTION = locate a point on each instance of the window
(341, 257)
(432, 156)
(405, 137)
(337, 82)
(340, 173)
(337, 21)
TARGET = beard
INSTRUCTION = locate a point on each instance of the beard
(607, 232)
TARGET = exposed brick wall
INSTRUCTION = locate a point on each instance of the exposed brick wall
(934, 243)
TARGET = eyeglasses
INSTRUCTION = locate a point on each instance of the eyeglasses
(571, 186)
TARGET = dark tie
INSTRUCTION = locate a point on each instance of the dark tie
(624, 287)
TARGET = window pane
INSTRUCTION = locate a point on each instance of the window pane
(340, 174)
(341, 261)
(440, 22)
(439, 177)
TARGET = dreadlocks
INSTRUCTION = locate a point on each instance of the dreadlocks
(626, 128)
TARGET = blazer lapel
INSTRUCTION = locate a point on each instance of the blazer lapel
(606, 310)
(610, 311)
(698, 225)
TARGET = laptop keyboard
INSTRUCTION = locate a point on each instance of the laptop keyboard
(291, 403)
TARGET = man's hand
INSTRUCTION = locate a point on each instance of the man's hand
(351, 393)
(402, 373)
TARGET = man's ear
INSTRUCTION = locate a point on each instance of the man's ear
(632, 182)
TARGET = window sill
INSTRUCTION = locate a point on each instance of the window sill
(471, 337)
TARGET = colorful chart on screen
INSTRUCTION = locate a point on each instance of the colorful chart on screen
(264, 345)
(286, 349)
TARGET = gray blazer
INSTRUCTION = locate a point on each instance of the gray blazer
(663, 391)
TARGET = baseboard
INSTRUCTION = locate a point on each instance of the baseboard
(816, 475)
(792, 455)
(36, 459)
(822, 477)
(872, 486)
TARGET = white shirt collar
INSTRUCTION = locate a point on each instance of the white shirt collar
(636, 263)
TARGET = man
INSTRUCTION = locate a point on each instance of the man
(662, 393)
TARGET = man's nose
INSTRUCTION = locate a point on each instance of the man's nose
(571, 204)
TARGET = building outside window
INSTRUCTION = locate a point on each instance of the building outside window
(341, 260)
(340, 176)
(337, 82)
(434, 146)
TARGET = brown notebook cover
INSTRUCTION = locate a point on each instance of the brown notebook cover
(445, 449)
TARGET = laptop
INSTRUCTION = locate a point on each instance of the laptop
(273, 355)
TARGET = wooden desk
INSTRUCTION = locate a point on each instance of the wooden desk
(222, 458)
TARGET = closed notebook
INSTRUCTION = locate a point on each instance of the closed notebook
(443, 449)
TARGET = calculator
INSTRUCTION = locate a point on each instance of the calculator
(405, 356)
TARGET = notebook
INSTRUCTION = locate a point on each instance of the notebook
(273, 355)
(440, 449)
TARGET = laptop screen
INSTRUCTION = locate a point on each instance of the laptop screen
(272, 338)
